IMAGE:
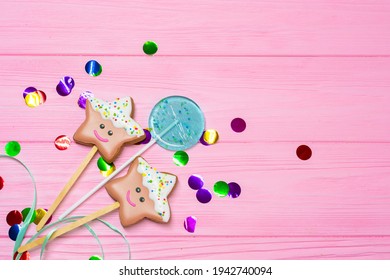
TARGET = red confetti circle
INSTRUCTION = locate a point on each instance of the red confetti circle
(1, 183)
(24, 257)
(14, 217)
(62, 142)
(304, 152)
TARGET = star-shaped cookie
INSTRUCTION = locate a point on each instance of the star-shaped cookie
(109, 126)
(142, 193)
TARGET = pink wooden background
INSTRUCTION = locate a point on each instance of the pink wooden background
(314, 72)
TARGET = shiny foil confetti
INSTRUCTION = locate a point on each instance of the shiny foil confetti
(28, 91)
(180, 158)
(62, 142)
(24, 257)
(304, 152)
(1, 183)
(203, 195)
(93, 68)
(234, 190)
(12, 148)
(95, 258)
(65, 86)
(82, 102)
(40, 214)
(195, 182)
(105, 168)
(238, 125)
(14, 231)
(190, 224)
(49, 220)
(210, 136)
(150, 47)
(14, 217)
(147, 139)
(221, 188)
(201, 140)
(25, 212)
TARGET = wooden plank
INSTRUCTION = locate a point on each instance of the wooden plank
(198, 28)
(341, 190)
(211, 248)
(282, 99)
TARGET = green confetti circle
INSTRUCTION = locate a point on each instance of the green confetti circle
(95, 258)
(103, 165)
(180, 158)
(12, 148)
(25, 213)
(150, 47)
(221, 188)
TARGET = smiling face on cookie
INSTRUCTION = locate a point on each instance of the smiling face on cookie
(142, 193)
(109, 126)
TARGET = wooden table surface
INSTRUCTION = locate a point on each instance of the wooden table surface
(312, 72)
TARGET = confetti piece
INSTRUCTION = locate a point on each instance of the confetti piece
(203, 195)
(210, 136)
(40, 214)
(304, 152)
(1, 183)
(195, 182)
(49, 220)
(95, 258)
(238, 125)
(14, 217)
(25, 212)
(24, 257)
(93, 68)
(105, 168)
(28, 91)
(234, 190)
(221, 188)
(150, 47)
(35, 99)
(103, 165)
(62, 142)
(42, 96)
(65, 86)
(82, 102)
(201, 140)
(147, 139)
(190, 224)
(12, 148)
(14, 231)
(180, 158)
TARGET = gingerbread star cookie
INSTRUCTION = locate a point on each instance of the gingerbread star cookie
(109, 126)
(142, 193)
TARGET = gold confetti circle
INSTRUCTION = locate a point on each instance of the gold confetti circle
(210, 136)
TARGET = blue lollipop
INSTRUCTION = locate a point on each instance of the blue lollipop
(188, 118)
(176, 123)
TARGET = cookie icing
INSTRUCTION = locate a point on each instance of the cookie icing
(118, 112)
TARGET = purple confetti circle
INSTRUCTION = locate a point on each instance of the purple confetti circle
(203, 195)
(28, 90)
(147, 139)
(195, 182)
(201, 140)
(234, 190)
(190, 224)
(238, 125)
(82, 102)
(65, 86)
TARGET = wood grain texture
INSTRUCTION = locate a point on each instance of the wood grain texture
(299, 72)
(201, 27)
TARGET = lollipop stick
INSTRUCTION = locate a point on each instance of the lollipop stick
(67, 187)
(70, 227)
(127, 163)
